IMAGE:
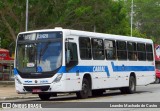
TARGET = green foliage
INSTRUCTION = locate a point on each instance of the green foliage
(82, 10)
(146, 18)
(104, 16)
(136, 33)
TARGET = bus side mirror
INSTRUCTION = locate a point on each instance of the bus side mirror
(68, 56)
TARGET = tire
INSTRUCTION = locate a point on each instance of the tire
(84, 93)
(132, 87)
(44, 96)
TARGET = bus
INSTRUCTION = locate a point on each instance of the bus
(58, 60)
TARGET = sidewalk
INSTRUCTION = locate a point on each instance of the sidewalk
(7, 91)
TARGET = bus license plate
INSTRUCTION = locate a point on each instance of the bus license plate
(36, 90)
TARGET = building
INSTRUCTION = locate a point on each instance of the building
(6, 65)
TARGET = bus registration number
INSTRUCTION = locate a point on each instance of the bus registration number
(36, 90)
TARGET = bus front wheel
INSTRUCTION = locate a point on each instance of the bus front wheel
(84, 93)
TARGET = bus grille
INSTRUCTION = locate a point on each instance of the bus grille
(42, 88)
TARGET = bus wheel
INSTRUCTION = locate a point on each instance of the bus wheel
(84, 93)
(132, 86)
(44, 96)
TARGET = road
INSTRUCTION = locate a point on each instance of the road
(144, 94)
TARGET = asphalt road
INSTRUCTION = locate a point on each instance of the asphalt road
(145, 95)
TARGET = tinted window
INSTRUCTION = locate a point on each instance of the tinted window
(149, 51)
(85, 48)
(141, 50)
(141, 47)
(121, 45)
(98, 49)
(132, 53)
(121, 50)
(110, 49)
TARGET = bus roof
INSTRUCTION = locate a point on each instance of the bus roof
(93, 34)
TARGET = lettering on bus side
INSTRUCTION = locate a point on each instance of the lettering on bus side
(98, 68)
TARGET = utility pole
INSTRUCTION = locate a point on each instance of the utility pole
(131, 17)
(26, 15)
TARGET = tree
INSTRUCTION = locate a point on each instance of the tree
(11, 20)
(105, 16)
(146, 18)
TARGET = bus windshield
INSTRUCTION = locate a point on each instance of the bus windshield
(39, 52)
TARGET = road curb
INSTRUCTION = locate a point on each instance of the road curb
(30, 97)
(17, 97)
(7, 83)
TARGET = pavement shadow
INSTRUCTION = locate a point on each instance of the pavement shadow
(72, 97)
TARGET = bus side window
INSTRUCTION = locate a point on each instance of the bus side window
(71, 55)
(149, 51)
(98, 49)
(109, 46)
(85, 48)
(141, 50)
(132, 51)
(121, 50)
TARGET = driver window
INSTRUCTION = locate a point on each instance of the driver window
(72, 47)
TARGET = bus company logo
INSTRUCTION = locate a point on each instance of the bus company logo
(28, 81)
(99, 69)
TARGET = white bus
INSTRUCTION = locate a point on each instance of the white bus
(59, 60)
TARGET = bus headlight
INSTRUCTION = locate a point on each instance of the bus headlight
(58, 78)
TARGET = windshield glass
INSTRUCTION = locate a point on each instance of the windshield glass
(41, 54)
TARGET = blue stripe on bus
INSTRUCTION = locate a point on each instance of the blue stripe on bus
(82, 69)
(115, 68)
(131, 68)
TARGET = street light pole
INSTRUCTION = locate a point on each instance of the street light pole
(131, 17)
(26, 15)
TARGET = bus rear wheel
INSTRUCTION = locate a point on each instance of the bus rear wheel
(84, 93)
(132, 87)
(44, 96)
